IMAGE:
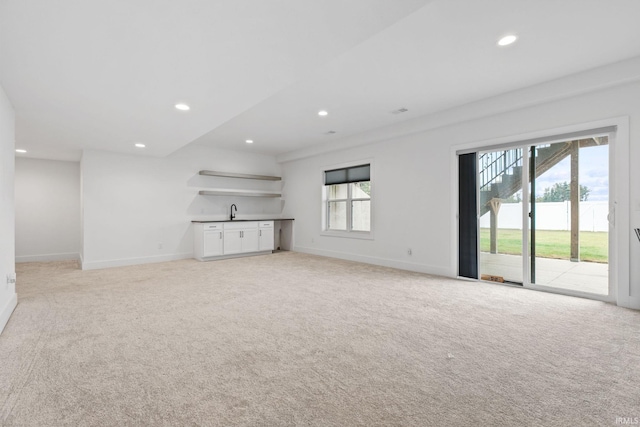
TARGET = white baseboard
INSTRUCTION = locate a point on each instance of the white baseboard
(631, 302)
(95, 265)
(5, 314)
(402, 265)
(48, 257)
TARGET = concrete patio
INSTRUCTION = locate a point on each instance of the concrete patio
(588, 277)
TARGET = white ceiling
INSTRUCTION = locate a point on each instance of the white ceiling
(106, 74)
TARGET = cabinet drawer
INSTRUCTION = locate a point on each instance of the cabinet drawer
(216, 226)
(266, 224)
(243, 225)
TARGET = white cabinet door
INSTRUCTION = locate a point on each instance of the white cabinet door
(213, 243)
(232, 242)
(250, 240)
(266, 236)
(266, 239)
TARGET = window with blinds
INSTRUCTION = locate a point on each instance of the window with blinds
(347, 199)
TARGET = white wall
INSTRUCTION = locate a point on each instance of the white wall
(47, 210)
(139, 209)
(410, 205)
(8, 297)
(413, 189)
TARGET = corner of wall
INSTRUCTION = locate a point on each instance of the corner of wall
(81, 243)
(8, 297)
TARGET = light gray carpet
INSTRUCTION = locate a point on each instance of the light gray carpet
(292, 339)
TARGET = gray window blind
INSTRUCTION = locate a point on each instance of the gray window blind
(345, 175)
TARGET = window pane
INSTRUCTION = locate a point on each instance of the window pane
(337, 215)
(361, 215)
(337, 191)
(361, 190)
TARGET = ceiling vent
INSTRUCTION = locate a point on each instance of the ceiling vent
(399, 111)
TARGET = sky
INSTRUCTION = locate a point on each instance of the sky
(593, 173)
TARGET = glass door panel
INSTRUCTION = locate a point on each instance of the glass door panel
(500, 205)
(569, 230)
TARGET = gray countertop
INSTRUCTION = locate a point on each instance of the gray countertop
(242, 220)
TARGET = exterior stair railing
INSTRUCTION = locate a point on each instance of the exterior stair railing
(500, 171)
(495, 164)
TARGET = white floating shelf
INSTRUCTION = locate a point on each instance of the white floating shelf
(238, 193)
(240, 175)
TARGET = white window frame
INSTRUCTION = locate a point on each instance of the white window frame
(352, 234)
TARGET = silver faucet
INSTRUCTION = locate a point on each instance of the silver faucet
(232, 214)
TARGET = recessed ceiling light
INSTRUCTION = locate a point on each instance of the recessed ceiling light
(20, 150)
(183, 107)
(322, 113)
(140, 145)
(507, 40)
(249, 141)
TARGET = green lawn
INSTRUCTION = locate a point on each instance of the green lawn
(594, 246)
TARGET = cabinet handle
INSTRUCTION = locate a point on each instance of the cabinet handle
(260, 233)
(221, 235)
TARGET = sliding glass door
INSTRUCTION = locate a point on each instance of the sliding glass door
(542, 215)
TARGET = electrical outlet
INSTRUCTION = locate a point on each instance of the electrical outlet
(11, 278)
(409, 252)
(159, 245)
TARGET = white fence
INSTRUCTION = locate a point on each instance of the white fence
(553, 216)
